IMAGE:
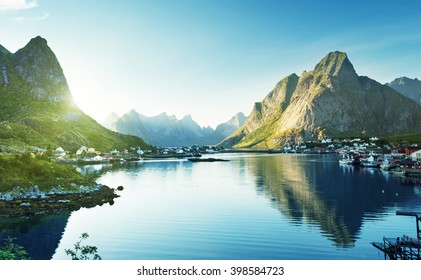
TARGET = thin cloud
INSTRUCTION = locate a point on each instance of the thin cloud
(42, 17)
(6, 5)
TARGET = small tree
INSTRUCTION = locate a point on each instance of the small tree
(11, 251)
(83, 252)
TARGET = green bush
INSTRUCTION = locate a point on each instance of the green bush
(83, 252)
(12, 251)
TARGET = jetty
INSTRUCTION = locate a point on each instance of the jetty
(404, 247)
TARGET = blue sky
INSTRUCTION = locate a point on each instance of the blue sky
(213, 58)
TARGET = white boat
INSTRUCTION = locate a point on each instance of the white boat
(385, 165)
(346, 160)
(399, 172)
(369, 162)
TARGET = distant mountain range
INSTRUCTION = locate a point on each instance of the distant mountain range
(167, 131)
(331, 100)
(411, 88)
(37, 109)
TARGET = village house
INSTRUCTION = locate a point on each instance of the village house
(410, 150)
(416, 156)
(59, 152)
(81, 150)
(409, 164)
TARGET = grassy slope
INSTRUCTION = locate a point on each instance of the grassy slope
(49, 125)
(407, 139)
(26, 171)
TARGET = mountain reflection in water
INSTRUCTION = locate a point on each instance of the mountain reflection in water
(310, 189)
(38, 235)
(255, 206)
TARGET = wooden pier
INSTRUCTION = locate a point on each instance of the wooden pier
(402, 248)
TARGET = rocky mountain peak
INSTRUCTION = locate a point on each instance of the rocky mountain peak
(336, 64)
(229, 127)
(37, 106)
(132, 112)
(37, 66)
(237, 120)
(330, 100)
(187, 118)
(411, 88)
(403, 80)
(37, 42)
(110, 121)
(168, 131)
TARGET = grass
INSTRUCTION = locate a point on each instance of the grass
(28, 170)
(407, 139)
(25, 120)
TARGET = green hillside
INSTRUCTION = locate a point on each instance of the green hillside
(37, 110)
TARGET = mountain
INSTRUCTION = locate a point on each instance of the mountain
(37, 109)
(331, 100)
(3, 50)
(227, 128)
(110, 121)
(167, 131)
(161, 130)
(409, 87)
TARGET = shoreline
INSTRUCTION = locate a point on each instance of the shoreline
(56, 202)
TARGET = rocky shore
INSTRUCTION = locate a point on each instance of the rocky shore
(34, 202)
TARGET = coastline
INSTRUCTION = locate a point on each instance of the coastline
(40, 203)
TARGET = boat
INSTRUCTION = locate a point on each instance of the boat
(369, 162)
(399, 172)
(346, 160)
(385, 165)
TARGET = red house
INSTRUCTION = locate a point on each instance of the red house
(410, 150)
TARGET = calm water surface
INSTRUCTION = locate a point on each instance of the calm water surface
(255, 206)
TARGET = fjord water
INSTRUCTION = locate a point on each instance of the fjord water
(255, 206)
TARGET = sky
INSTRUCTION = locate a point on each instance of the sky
(208, 58)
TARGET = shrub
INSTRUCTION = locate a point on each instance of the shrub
(83, 252)
(12, 251)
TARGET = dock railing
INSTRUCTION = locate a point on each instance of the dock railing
(405, 247)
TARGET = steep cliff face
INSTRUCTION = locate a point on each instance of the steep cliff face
(36, 106)
(229, 127)
(411, 88)
(35, 72)
(332, 99)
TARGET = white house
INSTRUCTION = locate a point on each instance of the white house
(97, 158)
(81, 150)
(416, 155)
(59, 152)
